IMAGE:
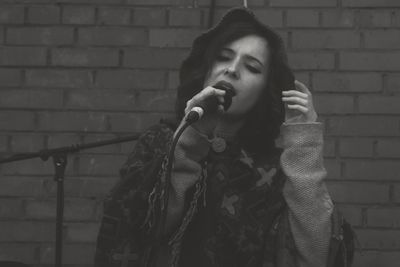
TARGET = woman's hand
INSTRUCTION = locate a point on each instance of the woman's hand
(208, 122)
(299, 107)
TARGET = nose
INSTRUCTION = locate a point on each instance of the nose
(233, 69)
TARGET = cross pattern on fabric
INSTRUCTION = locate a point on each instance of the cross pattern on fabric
(126, 256)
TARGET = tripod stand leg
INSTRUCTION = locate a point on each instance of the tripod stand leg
(60, 162)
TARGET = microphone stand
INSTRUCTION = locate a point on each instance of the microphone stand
(59, 156)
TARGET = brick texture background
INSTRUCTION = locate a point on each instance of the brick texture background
(78, 71)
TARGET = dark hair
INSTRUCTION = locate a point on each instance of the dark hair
(262, 125)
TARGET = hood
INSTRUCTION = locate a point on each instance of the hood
(236, 15)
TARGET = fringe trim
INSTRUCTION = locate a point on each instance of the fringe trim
(176, 240)
(156, 194)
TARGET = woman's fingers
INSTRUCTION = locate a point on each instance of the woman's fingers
(207, 92)
(295, 100)
(300, 108)
(295, 93)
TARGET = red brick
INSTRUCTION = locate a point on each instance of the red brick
(386, 39)
(333, 104)
(333, 168)
(154, 58)
(383, 217)
(101, 100)
(51, 78)
(383, 61)
(172, 37)
(32, 231)
(352, 214)
(325, 39)
(31, 98)
(59, 140)
(12, 186)
(10, 77)
(311, 60)
(372, 170)
(173, 80)
(71, 121)
(99, 186)
(78, 15)
(374, 18)
(393, 82)
(337, 18)
(91, 2)
(89, 138)
(44, 14)
(72, 185)
(26, 142)
(90, 57)
(272, 18)
(4, 143)
(149, 17)
(112, 36)
(40, 35)
(302, 76)
(129, 79)
(302, 18)
(388, 148)
(396, 193)
(356, 147)
(157, 101)
(11, 208)
(12, 15)
(379, 239)
(22, 56)
(17, 120)
(363, 126)
(396, 19)
(82, 232)
(75, 209)
(160, 2)
(371, 3)
(329, 147)
(80, 254)
(347, 82)
(132, 122)
(304, 3)
(2, 41)
(377, 258)
(34, 167)
(114, 16)
(379, 104)
(358, 192)
(19, 252)
(102, 165)
(228, 3)
(185, 17)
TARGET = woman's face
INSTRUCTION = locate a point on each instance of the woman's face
(244, 64)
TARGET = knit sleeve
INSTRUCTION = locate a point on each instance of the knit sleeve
(308, 200)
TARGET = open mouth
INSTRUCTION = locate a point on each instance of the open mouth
(228, 87)
(230, 92)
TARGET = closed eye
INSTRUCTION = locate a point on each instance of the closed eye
(253, 69)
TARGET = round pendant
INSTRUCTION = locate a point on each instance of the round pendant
(218, 144)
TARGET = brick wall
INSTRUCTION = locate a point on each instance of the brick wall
(79, 71)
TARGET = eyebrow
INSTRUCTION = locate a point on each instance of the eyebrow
(246, 55)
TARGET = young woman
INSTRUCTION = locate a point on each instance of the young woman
(235, 198)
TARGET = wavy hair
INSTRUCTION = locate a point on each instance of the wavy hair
(263, 122)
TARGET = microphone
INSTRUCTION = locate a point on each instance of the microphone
(210, 104)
